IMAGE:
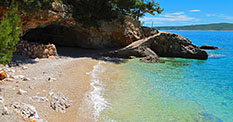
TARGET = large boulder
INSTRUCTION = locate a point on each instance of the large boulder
(162, 44)
(174, 45)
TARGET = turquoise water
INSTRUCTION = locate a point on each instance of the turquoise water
(180, 90)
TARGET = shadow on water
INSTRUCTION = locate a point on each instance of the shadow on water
(210, 118)
(182, 62)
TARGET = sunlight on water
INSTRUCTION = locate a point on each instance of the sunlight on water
(180, 90)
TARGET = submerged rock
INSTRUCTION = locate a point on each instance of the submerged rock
(210, 118)
(208, 47)
(163, 44)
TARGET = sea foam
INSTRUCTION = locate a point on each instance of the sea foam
(96, 94)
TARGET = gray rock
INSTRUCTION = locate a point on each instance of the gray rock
(26, 111)
(38, 99)
(174, 45)
(59, 102)
(163, 44)
(149, 31)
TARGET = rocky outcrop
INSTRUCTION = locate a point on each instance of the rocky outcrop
(106, 35)
(149, 31)
(174, 45)
(36, 50)
(58, 27)
(208, 47)
(163, 44)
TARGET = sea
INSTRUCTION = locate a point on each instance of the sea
(180, 90)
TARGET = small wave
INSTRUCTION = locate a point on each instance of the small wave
(216, 55)
(96, 95)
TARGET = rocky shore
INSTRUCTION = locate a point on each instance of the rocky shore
(45, 90)
(49, 87)
(162, 44)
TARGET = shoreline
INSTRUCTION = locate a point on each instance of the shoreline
(71, 78)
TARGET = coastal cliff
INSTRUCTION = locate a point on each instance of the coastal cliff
(58, 27)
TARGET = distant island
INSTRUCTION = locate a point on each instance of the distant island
(216, 26)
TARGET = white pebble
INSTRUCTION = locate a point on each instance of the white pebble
(24, 68)
(1, 99)
(19, 77)
(21, 92)
(26, 79)
(5, 111)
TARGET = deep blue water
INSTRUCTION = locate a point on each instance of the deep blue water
(180, 90)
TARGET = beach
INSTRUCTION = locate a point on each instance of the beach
(79, 86)
(66, 75)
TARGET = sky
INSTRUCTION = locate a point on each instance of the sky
(191, 12)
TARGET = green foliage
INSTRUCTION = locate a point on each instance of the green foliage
(142, 7)
(9, 35)
(29, 5)
(138, 8)
(89, 11)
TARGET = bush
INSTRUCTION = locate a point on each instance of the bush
(29, 5)
(9, 35)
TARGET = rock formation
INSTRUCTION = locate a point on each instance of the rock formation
(27, 111)
(59, 102)
(106, 35)
(162, 44)
(57, 26)
(36, 50)
(208, 47)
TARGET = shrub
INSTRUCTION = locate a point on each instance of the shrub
(29, 5)
(9, 35)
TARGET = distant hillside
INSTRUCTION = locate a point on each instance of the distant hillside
(217, 26)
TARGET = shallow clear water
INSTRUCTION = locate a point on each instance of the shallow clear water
(180, 90)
